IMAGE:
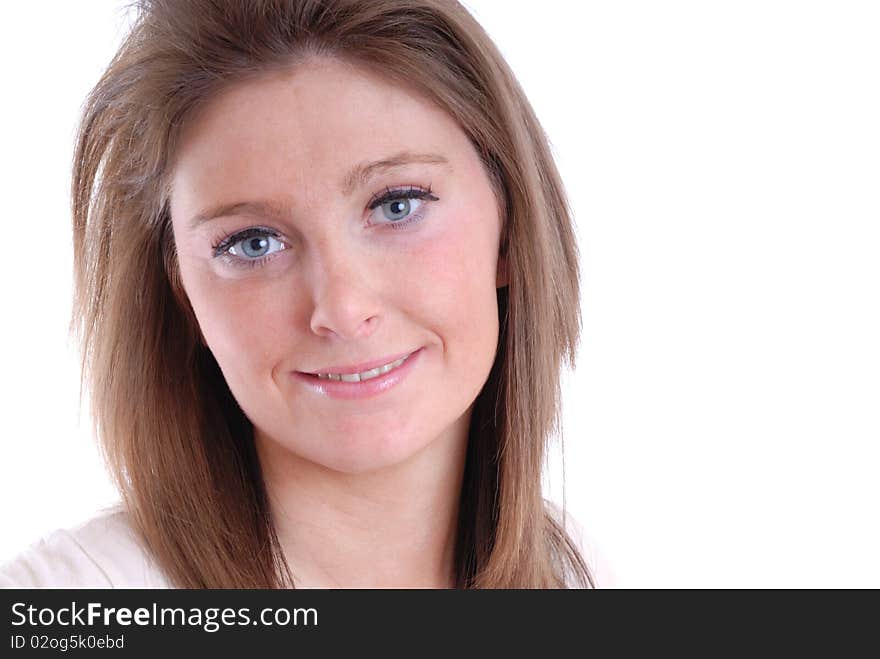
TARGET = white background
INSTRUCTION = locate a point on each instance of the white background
(723, 163)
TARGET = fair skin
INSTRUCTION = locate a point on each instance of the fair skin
(364, 492)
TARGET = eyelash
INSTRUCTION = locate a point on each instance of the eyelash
(222, 245)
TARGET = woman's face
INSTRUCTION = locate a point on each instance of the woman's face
(325, 218)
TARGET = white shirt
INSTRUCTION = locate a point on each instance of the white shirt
(103, 552)
(99, 553)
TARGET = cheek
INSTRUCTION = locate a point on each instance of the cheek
(235, 319)
(454, 276)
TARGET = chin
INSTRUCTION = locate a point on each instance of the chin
(365, 453)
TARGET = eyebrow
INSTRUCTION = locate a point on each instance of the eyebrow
(359, 176)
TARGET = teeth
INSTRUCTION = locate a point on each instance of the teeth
(366, 375)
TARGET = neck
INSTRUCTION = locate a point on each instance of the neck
(395, 527)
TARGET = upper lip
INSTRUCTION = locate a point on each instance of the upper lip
(361, 367)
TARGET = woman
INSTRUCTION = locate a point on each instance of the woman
(326, 278)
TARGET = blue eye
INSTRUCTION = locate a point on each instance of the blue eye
(253, 247)
(397, 205)
(250, 247)
(397, 209)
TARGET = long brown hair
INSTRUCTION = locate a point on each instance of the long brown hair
(180, 448)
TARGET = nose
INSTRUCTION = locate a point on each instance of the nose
(345, 304)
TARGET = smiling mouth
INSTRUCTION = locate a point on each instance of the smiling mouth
(364, 375)
(362, 384)
(361, 372)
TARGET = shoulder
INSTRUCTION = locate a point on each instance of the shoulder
(587, 547)
(101, 552)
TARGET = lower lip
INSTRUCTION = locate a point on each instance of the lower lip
(358, 390)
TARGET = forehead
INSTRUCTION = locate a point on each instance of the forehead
(305, 128)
